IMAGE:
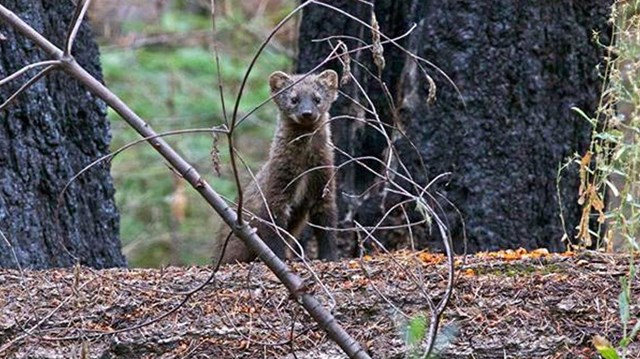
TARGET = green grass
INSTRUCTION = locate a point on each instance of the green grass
(175, 88)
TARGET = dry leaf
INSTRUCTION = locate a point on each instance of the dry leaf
(431, 258)
(584, 165)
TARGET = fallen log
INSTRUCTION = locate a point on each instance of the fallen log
(521, 306)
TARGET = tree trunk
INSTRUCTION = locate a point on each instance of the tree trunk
(47, 135)
(519, 69)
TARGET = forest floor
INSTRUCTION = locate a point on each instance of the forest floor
(510, 305)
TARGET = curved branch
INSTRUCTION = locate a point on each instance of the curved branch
(78, 16)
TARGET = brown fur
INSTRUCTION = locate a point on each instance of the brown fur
(302, 142)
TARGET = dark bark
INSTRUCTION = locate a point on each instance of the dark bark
(47, 135)
(519, 68)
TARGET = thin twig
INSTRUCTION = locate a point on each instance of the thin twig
(26, 85)
(78, 16)
(13, 252)
(214, 45)
(27, 68)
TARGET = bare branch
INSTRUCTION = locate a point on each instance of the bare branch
(78, 16)
(26, 85)
(50, 64)
(110, 156)
(13, 252)
(27, 68)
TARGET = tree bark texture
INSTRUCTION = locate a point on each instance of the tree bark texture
(50, 133)
(519, 68)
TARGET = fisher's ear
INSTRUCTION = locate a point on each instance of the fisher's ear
(329, 78)
(278, 80)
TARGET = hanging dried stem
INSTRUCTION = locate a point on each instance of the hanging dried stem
(377, 51)
(345, 59)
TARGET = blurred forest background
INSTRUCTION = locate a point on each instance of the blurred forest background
(158, 57)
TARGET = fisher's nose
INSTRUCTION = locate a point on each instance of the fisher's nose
(307, 114)
(306, 110)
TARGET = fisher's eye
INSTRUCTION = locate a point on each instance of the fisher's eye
(317, 100)
(295, 100)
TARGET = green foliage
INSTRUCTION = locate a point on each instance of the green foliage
(624, 300)
(608, 353)
(175, 87)
(416, 330)
(611, 167)
(415, 333)
(603, 346)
